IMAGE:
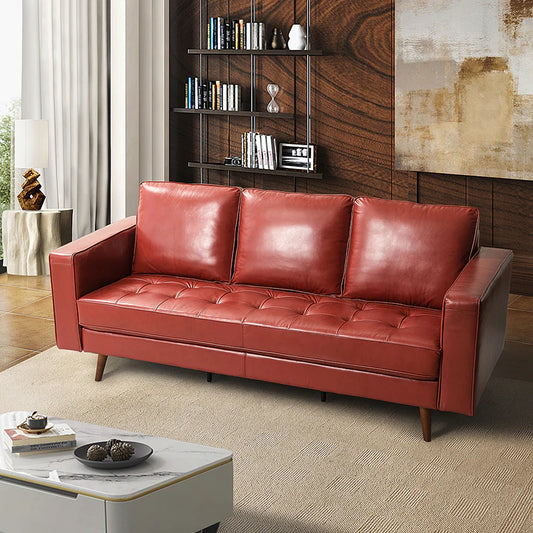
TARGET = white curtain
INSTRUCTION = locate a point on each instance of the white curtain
(65, 80)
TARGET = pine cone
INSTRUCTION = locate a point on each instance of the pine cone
(121, 451)
(96, 453)
(109, 444)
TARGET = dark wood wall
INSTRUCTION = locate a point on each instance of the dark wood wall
(352, 117)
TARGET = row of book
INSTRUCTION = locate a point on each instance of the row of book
(59, 437)
(224, 34)
(259, 151)
(212, 95)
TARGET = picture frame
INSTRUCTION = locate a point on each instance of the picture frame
(294, 156)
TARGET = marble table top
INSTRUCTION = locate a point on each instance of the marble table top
(171, 462)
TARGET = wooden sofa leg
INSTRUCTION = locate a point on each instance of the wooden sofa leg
(100, 365)
(209, 377)
(425, 418)
(323, 396)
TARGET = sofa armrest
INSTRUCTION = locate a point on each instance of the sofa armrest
(85, 265)
(473, 329)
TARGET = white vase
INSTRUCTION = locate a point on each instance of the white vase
(297, 39)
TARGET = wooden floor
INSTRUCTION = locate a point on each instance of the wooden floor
(27, 325)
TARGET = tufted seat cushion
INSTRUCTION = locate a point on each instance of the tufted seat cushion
(386, 338)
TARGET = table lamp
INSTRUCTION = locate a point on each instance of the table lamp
(31, 150)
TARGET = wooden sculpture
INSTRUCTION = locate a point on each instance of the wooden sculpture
(31, 197)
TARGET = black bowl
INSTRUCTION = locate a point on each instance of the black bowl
(142, 452)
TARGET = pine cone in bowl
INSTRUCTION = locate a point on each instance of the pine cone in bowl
(109, 444)
(96, 453)
(121, 451)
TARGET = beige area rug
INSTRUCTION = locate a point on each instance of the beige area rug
(304, 466)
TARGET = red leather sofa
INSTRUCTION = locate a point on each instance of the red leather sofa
(376, 298)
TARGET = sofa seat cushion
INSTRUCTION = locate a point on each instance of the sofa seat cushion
(377, 337)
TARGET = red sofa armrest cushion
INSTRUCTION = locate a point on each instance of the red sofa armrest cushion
(85, 265)
(473, 329)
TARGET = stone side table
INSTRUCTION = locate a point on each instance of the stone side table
(29, 236)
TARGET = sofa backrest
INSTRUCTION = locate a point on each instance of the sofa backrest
(186, 230)
(408, 253)
(292, 240)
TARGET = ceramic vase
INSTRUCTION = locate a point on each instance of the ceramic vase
(297, 39)
(277, 41)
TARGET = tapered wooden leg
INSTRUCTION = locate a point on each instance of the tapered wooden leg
(100, 365)
(209, 377)
(425, 418)
(323, 396)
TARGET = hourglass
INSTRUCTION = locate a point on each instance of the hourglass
(273, 90)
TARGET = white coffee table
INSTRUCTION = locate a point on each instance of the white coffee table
(181, 488)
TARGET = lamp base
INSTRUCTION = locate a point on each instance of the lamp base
(31, 198)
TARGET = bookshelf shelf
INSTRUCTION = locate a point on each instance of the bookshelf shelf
(207, 52)
(279, 172)
(258, 114)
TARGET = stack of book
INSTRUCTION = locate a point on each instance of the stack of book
(259, 151)
(223, 34)
(60, 437)
(212, 95)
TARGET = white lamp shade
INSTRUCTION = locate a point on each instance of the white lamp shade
(31, 143)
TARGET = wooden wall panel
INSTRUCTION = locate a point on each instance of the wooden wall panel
(352, 112)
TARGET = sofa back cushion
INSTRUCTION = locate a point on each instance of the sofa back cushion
(408, 253)
(292, 241)
(186, 230)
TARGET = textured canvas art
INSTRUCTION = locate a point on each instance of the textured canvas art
(464, 87)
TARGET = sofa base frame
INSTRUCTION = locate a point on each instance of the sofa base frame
(425, 413)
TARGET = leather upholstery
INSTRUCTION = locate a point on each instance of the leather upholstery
(84, 265)
(408, 253)
(293, 241)
(400, 253)
(375, 337)
(473, 329)
(186, 230)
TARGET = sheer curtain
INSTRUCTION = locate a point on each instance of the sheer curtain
(65, 80)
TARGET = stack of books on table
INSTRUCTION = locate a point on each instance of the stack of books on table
(58, 438)
(259, 151)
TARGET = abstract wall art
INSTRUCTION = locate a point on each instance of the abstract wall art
(464, 87)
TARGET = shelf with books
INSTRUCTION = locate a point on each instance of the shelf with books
(278, 172)
(220, 38)
(205, 51)
(258, 114)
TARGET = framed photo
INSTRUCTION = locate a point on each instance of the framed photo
(295, 156)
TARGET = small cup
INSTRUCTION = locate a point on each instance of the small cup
(36, 421)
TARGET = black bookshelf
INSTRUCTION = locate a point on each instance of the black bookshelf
(258, 114)
(208, 52)
(279, 172)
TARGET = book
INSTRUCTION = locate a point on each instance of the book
(59, 433)
(220, 33)
(262, 36)
(271, 143)
(231, 97)
(224, 97)
(264, 152)
(50, 447)
(248, 36)
(259, 151)
(241, 35)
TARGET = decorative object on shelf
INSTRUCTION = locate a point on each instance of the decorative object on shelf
(297, 156)
(273, 90)
(137, 453)
(31, 150)
(233, 161)
(277, 41)
(96, 453)
(297, 38)
(121, 451)
(36, 421)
